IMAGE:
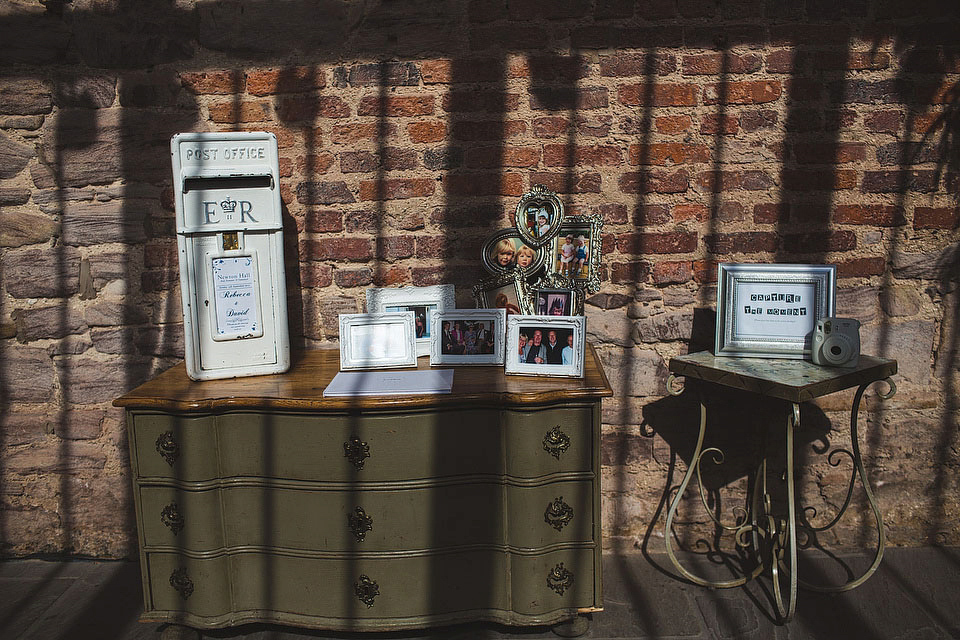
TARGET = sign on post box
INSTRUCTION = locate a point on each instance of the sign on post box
(230, 246)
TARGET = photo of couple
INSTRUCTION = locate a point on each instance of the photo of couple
(545, 345)
(463, 337)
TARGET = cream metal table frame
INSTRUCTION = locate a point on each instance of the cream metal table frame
(794, 381)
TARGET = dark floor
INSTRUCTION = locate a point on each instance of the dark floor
(915, 595)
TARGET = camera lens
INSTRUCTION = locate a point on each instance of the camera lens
(836, 350)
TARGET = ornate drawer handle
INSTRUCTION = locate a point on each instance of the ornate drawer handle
(180, 581)
(366, 589)
(170, 516)
(558, 514)
(356, 450)
(556, 442)
(560, 579)
(359, 523)
(168, 448)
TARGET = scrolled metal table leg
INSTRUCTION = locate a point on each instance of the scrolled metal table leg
(785, 541)
(858, 469)
(694, 468)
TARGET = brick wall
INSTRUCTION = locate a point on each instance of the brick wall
(702, 132)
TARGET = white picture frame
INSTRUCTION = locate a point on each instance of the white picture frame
(377, 341)
(420, 300)
(770, 310)
(453, 347)
(516, 361)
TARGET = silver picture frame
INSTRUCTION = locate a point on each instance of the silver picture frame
(770, 310)
(421, 300)
(508, 291)
(538, 216)
(377, 341)
(505, 251)
(553, 283)
(532, 360)
(450, 346)
(583, 267)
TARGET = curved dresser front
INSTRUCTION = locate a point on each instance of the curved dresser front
(258, 500)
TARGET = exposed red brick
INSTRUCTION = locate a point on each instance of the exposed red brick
(717, 63)
(668, 153)
(753, 180)
(780, 61)
(583, 182)
(482, 184)
(315, 163)
(436, 71)
(213, 82)
(926, 123)
(349, 249)
(830, 153)
(315, 275)
(899, 181)
(427, 132)
(658, 95)
(861, 267)
(497, 156)
(705, 271)
(395, 247)
(429, 276)
(755, 120)
(813, 180)
(669, 242)
(397, 106)
(556, 155)
(357, 132)
(306, 108)
(637, 64)
(612, 213)
(879, 215)
(671, 272)
(436, 247)
(853, 60)
(287, 80)
(347, 278)
(771, 213)
(651, 214)
(390, 276)
(322, 221)
(285, 167)
(629, 272)
(673, 124)
(936, 217)
(654, 181)
(697, 212)
(466, 101)
(396, 188)
(716, 124)
(550, 126)
(489, 130)
(160, 254)
(580, 98)
(747, 92)
(883, 121)
(820, 241)
(741, 242)
(230, 113)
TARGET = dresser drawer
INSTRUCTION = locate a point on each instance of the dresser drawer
(352, 593)
(450, 515)
(366, 447)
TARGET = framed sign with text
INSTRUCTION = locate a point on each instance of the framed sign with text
(770, 310)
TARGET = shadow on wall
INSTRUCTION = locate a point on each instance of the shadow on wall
(138, 41)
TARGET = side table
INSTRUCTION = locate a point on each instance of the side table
(774, 539)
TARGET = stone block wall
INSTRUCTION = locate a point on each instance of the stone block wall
(746, 131)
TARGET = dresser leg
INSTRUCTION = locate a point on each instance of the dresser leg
(574, 627)
(179, 632)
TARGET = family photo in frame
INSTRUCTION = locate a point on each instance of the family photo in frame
(538, 216)
(505, 251)
(421, 301)
(539, 345)
(468, 337)
(575, 251)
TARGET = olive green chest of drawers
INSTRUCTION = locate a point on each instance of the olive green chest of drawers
(258, 500)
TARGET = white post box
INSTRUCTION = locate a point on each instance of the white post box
(230, 246)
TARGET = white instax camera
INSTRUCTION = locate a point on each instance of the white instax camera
(836, 342)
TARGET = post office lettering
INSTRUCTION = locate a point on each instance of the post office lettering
(244, 153)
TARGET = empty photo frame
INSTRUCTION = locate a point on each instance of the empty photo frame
(377, 340)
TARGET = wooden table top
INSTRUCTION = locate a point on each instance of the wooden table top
(793, 380)
(301, 388)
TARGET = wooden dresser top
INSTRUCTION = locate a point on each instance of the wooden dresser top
(301, 388)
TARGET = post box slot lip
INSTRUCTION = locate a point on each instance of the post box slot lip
(227, 182)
